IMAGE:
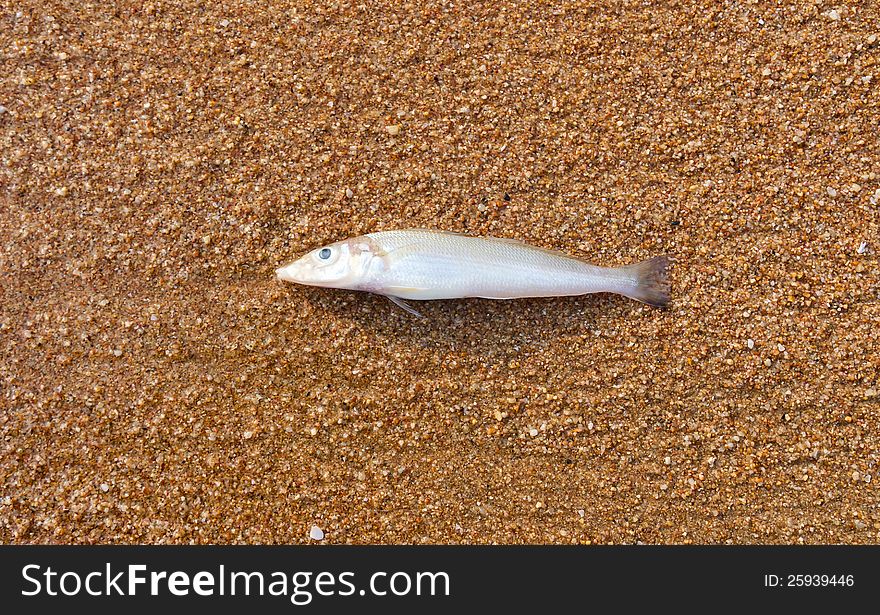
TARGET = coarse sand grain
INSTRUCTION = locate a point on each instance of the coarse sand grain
(158, 160)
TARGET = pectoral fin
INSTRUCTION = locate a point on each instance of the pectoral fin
(404, 306)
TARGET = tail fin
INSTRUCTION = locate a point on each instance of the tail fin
(652, 286)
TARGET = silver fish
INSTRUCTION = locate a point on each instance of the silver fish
(422, 264)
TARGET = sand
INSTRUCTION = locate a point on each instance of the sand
(159, 160)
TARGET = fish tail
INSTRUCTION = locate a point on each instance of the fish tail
(651, 282)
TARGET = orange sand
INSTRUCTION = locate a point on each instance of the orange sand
(158, 161)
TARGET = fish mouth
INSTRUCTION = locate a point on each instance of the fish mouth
(285, 274)
(297, 274)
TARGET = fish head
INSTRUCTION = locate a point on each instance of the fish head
(344, 264)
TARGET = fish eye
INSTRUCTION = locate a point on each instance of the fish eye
(324, 254)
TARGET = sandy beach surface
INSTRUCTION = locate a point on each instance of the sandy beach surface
(158, 160)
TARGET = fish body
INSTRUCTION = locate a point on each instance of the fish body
(421, 264)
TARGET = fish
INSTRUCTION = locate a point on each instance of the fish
(425, 264)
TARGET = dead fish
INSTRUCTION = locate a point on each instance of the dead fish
(421, 264)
